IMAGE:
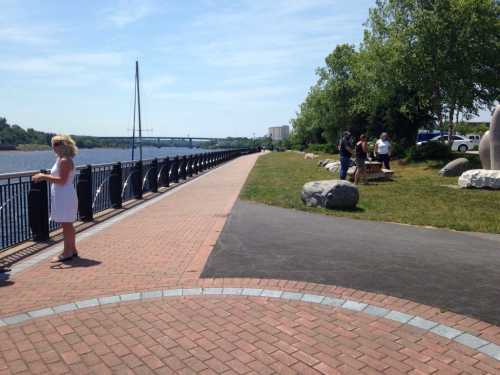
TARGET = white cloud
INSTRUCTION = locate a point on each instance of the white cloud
(129, 11)
(62, 63)
(228, 97)
(13, 34)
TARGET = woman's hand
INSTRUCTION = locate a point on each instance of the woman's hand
(38, 177)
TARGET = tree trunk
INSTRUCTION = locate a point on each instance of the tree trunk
(450, 128)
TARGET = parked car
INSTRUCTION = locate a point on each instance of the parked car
(475, 138)
(461, 144)
(426, 134)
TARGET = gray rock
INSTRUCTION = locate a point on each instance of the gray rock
(455, 167)
(330, 194)
(324, 162)
(480, 178)
(333, 166)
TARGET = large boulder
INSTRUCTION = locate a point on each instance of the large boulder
(334, 166)
(455, 167)
(330, 194)
(480, 178)
(324, 162)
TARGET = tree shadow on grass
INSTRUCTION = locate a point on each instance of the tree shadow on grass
(76, 262)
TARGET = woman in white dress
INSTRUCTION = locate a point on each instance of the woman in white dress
(63, 199)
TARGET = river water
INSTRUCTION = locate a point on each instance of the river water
(18, 161)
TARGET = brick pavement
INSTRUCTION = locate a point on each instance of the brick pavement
(165, 246)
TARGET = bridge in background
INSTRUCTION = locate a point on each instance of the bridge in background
(158, 140)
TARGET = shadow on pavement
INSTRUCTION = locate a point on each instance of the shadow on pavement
(4, 277)
(77, 262)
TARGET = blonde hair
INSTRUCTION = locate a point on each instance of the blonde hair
(69, 145)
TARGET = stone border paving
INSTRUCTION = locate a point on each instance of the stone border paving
(55, 249)
(486, 347)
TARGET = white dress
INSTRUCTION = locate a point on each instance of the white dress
(63, 199)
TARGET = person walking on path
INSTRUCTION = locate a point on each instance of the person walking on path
(361, 157)
(63, 198)
(345, 148)
(383, 150)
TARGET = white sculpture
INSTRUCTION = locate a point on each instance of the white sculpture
(489, 152)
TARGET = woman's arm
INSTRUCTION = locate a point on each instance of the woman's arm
(65, 167)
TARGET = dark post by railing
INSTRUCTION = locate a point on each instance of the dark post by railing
(164, 177)
(137, 180)
(38, 210)
(190, 168)
(208, 160)
(175, 170)
(115, 186)
(196, 168)
(84, 192)
(182, 173)
(202, 165)
(152, 180)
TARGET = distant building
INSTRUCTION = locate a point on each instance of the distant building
(277, 133)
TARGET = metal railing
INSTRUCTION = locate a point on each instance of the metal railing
(25, 205)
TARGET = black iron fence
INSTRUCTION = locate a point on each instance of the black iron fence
(25, 205)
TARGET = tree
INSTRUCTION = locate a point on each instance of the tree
(445, 52)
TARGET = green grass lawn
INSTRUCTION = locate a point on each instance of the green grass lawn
(417, 195)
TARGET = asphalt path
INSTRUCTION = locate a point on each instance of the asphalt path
(455, 271)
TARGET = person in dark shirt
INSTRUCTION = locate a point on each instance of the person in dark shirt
(345, 148)
(361, 157)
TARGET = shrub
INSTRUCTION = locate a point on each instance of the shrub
(430, 151)
(398, 150)
(327, 148)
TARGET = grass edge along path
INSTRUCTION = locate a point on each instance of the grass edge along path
(417, 195)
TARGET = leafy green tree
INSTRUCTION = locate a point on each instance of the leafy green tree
(445, 52)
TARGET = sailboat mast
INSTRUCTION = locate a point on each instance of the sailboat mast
(133, 126)
(139, 107)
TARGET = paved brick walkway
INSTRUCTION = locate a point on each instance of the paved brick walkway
(164, 247)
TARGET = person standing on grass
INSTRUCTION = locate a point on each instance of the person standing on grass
(383, 150)
(345, 149)
(361, 157)
(63, 198)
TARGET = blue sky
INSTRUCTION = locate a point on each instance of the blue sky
(208, 67)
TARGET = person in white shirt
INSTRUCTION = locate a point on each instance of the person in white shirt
(383, 150)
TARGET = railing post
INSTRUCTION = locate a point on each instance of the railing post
(84, 192)
(153, 182)
(197, 163)
(165, 173)
(209, 159)
(115, 186)
(203, 162)
(182, 173)
(189, 167)
(137, 180)
(175, 169)
(38, 210)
